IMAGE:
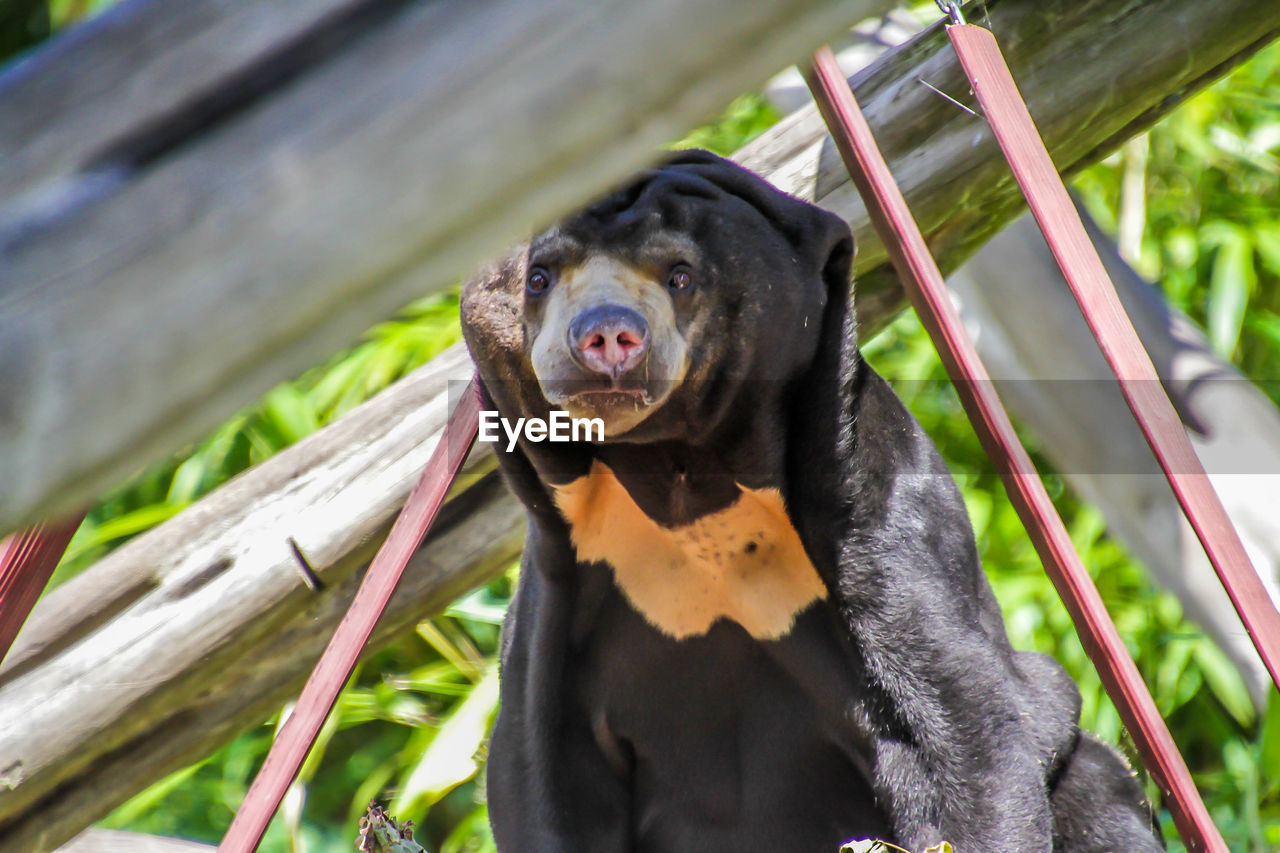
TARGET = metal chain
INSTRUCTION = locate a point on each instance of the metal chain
(951, 8)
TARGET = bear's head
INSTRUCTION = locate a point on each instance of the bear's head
(663, 307)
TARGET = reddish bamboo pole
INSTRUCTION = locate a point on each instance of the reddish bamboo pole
(27, 560)
(924, 285)
(1047, 197)
(319, 694)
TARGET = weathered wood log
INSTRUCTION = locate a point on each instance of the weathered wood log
(1093, 73)
(202, 199)
(191, 633)
(116, 841)
(276, 225)
(1050, 372)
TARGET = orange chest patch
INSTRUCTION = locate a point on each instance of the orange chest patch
(744, 563)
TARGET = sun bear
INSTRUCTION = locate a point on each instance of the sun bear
(751, 616)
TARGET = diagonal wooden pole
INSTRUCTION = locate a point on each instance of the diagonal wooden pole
(336, 664)
(928, 293)
(1047, 197)
(27, 561)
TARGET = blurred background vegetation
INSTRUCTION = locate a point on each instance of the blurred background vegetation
(410, 729)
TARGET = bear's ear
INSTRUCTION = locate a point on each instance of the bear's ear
(818, 235)
(836, 248)
(492, 311)
(492, 314)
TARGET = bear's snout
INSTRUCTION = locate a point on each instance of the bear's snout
(609, 339)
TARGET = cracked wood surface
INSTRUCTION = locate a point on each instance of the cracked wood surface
(201, 199)
(143, 299)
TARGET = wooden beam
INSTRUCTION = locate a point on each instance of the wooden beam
(203, 627)
(1093, 72)
(118, 841)
(147, 296)
(202, 199)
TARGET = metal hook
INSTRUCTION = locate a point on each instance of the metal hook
(951, 8)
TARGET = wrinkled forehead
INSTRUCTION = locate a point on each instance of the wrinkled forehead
(653, 252)
(664, 217)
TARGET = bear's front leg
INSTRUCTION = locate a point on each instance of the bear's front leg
(962, 742)
(550, 788)
(954, 763)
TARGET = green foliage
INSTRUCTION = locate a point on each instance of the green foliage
(66, 12)
(1212, 236)
(411, 725)
(746, 117)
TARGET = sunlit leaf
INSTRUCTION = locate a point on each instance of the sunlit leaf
(450, 760)
(290, 412)
(1230, 284)
(1269, 747)
(152, 796)
(867, 846)
(479, 605)
(122, 526)
(1225, 683)
(1266, 240)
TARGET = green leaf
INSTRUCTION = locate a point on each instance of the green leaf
(1269, 741)
(871, 845)
(1265, 324)
(1266, 239)
(187, 480)
(979, 504)
(150, 798)
(1225, 682)
(290, 412)
(450, 759)
(479, 605)
(866, 846)
(1181, 247)
(128, 524)
(1230, 283)
(1170, 671)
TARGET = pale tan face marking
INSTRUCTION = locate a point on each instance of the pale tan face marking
(743, 563)
(599, 280)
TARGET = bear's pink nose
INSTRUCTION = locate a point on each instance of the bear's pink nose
(609, 339)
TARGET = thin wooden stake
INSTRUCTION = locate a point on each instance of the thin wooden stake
(928, 293)
(27, 561)
(318, 696)
(1047, 197)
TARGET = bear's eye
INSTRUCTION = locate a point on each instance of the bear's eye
(539, 280)
(681, 277)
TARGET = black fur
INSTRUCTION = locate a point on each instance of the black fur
(895, 708)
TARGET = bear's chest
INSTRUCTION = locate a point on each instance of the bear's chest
(728, 741)
(744, 563)
(712, 669)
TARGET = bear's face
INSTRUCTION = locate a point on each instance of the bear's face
(659, 308)
(605, 330)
